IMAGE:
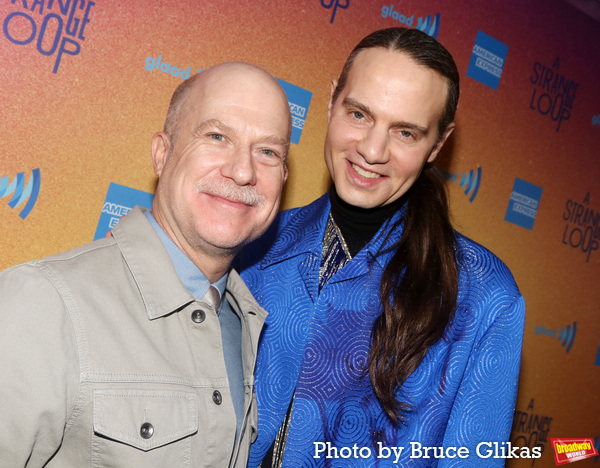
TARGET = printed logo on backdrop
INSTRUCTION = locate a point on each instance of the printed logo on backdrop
(429, 24)
(597, 362)
(299, 101)
(596, 119)
(21, 194)
(566, 335)
(487, 60)
(119, 201)
(54, 28)
(582, 231)
(553, 93)
(523, 204)
(298, 98)
(470, 181)
(164, 66)
(530, 429)
(334, 5)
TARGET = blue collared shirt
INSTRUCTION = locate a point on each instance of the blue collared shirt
(197, 284)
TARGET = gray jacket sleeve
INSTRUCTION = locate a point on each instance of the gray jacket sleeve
(39, 376)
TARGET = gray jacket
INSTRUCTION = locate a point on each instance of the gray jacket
(101, 363)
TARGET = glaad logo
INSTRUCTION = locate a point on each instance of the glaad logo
(556, 93)
(56, 31)
(566, 334)
(523, 204)
(159, 64)
(430, 25)
(583, 226)
(469, 181)
(20, 192)
(335, 4)
(530, 429)
(119, 201)
(487, 60)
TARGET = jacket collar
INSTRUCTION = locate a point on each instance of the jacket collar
(302, 233)
(150, 265)
(156, 278)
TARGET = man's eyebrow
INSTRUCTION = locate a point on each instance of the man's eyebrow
(214, 123)
(274, 140)
(349, 102)
(353, 103)
(411, 126)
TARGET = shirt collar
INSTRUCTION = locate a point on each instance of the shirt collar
(190, 275)
(303, 234)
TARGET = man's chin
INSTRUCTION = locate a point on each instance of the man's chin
(356, 198)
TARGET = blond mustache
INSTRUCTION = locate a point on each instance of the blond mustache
(246, 194)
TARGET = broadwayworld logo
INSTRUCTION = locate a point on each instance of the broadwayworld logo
(570, 450)
(56, 27)
(20, 192)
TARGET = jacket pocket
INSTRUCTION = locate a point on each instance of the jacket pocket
(143, 427)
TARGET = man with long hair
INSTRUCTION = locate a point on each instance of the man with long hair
(387, 328)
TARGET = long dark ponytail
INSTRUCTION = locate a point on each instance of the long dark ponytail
(419, 287)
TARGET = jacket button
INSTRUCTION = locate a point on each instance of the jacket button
(217, 398)
(198, 316)
(147, 430)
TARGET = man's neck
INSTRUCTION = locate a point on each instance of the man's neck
(211, 261)
(359, 225)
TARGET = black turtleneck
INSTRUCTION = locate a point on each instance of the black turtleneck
(359, 225)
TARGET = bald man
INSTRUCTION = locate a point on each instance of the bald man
(139, 349)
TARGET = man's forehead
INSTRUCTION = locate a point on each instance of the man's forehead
(382, 69)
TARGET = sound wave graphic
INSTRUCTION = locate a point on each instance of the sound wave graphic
(430, 26)
(470, 181)
(20, 192)
(567, 336)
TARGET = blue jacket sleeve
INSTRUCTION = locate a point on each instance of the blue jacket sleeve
(482, 413)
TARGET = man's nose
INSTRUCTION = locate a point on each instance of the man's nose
(240, 167)
(373, 146)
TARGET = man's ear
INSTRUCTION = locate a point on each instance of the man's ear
(161, 145)
(334, 84)
(285, 174)
(440, 143)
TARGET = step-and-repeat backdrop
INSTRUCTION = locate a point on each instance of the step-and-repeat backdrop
(84, 85)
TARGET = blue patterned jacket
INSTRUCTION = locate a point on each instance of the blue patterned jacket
(462, 394)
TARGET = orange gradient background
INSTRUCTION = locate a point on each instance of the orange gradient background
(90, 124)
